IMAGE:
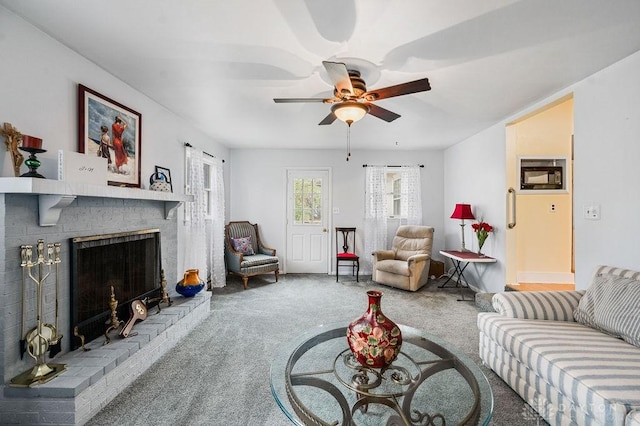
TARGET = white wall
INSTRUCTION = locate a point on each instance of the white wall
(38, 96)
(259, 192)
(475, 174)
(607, 172)
(607, 148)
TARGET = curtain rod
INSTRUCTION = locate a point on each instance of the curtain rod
(187, 144)
(372, 165)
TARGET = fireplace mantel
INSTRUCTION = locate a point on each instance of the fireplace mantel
(55, 195)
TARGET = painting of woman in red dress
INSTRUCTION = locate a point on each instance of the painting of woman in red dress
(117, 129)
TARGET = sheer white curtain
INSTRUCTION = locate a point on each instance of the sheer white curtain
(195, 215)
(411, 198)
(375, 214)
(376, 208)
(216, 226)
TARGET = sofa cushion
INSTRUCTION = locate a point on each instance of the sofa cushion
(398, 267)
(258, 260)
(612, 305)
(243, 245)
(633, 419)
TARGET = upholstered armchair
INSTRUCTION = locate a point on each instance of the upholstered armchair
(406, 265)
(244, 253)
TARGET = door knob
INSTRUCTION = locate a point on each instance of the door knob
(324, 229)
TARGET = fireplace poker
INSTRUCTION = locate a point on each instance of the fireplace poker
(23, 264)
(55, 345)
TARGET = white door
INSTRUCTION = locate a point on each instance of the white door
(307, 221)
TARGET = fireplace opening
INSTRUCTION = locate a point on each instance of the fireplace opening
(130, 262)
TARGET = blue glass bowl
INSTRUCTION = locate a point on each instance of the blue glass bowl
(189, 290)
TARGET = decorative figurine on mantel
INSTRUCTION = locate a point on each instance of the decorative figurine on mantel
(33, 146)
(12, 139)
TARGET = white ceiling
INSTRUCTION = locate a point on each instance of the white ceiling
(220, 63)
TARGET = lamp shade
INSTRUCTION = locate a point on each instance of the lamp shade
(350, 112)
(462, 211)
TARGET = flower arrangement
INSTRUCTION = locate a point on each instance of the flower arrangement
(482, 230)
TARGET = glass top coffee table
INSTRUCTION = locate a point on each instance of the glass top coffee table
(317, 381)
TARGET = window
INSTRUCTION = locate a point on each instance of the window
(307, 201)
(394, 194)
(206, 168)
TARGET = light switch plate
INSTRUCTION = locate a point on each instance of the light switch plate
(592, 212)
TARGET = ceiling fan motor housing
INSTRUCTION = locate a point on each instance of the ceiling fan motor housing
(358, 84)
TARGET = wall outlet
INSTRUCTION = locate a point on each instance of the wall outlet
(336, 210)
(552, 208)
(592, 212)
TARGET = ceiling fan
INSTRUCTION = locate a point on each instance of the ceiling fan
(351, 101)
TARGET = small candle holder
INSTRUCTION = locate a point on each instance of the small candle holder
(32, 162)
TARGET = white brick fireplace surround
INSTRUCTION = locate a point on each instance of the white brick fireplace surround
(95, 377)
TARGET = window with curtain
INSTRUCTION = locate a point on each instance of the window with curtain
(204, 218)
(391, 194)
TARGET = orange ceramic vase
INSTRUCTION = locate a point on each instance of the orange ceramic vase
(191, 284)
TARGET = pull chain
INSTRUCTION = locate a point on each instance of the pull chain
(349, 139)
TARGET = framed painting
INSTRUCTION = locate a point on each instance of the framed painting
(111, 130)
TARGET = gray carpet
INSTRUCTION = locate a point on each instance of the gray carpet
(219, 374)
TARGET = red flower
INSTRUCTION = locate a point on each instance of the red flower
(482, 230)
(482, 226)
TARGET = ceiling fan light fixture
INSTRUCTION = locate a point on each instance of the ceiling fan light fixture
(350, 112)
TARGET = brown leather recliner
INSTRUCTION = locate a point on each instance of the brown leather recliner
(406, 265)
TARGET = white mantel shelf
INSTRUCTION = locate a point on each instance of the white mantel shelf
(55, 195)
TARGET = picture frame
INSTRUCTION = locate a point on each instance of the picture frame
(167, 175)
(112, 130)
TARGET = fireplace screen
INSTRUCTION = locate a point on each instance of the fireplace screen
(129, 262)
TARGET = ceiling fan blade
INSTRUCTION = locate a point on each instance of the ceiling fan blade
(328, 119)
(382, 113)
(339, 76)
(421, 85)
(293, 100)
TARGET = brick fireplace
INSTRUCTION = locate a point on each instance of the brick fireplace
(92, 378)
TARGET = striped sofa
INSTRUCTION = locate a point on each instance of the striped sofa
(569, 372)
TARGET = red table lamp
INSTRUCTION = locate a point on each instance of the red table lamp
(462, 212)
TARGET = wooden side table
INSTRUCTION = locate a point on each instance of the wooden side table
(460, 260)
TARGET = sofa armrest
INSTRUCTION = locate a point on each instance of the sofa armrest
(383, 255)
(267, 250)
(233, 258)
(541, 305)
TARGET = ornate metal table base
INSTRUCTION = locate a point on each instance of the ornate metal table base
(401, 394)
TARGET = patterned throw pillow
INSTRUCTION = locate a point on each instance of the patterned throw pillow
(612, 305)
(243, 245)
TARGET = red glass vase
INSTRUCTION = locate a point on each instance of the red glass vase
(373, 338)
